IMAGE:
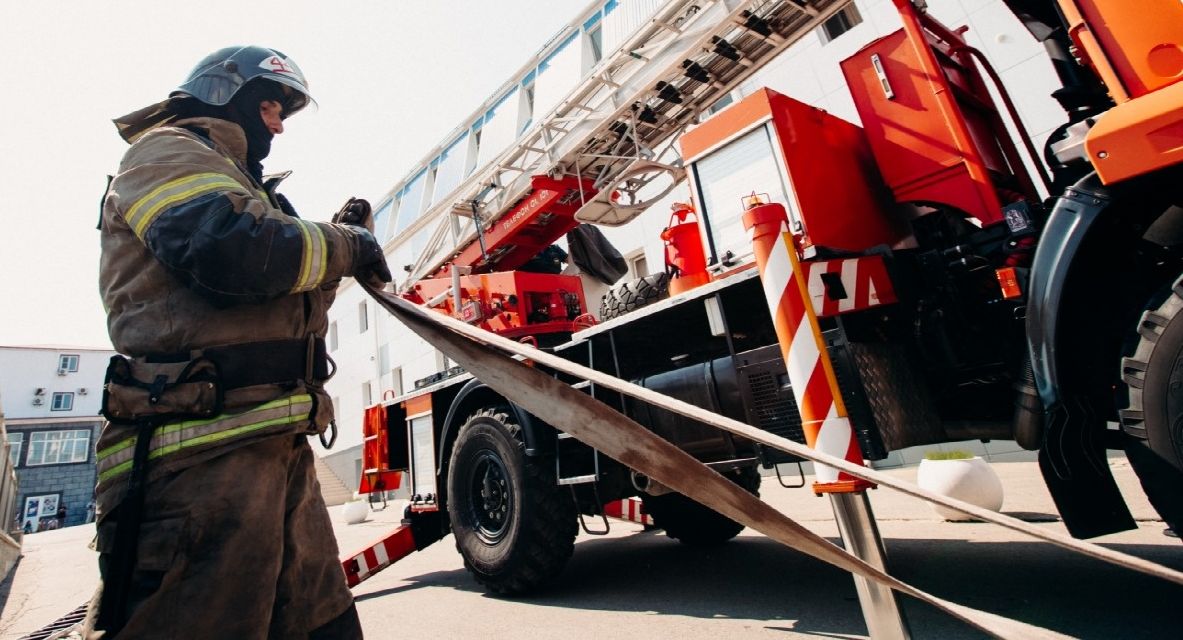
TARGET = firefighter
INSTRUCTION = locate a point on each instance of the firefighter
(210, 519)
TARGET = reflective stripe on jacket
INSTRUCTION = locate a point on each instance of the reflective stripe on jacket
(115, 460)
(194, 255)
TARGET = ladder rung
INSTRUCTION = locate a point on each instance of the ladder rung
(579, 479)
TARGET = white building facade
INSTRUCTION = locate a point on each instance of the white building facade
(378, 357)
(50, 399)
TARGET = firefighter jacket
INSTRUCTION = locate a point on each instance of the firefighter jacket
(197, 255)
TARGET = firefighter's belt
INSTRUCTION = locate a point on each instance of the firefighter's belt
(162, 388)
(266, 362)
(270, 362)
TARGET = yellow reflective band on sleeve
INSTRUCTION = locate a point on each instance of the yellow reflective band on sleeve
(314, 259)
(141, 214)
(115, 448)
(176, 436)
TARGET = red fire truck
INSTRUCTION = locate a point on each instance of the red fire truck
(968, 285)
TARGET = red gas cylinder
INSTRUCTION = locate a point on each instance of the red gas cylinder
(685, 259)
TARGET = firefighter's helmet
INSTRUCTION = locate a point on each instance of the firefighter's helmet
(216, 79)
(222, 73)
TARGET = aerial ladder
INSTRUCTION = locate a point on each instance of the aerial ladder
(602, 156)
(607, 151)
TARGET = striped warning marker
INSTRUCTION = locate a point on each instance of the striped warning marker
(848, 284)
(631, 509)
(378, 556)
(811, 374)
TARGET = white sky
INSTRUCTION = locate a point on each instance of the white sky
(391, 78)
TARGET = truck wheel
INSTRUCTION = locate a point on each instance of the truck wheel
(630, 296)
(513, 526)
(691, 523)
(1153, 378)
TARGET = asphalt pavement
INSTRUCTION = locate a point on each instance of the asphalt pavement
(640, 584)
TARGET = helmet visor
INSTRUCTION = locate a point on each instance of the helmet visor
(294, 97)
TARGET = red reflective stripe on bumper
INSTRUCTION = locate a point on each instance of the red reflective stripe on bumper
(378, 556)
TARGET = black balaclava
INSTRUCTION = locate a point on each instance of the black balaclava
(243, 110)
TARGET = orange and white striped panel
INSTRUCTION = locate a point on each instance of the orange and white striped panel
(811, 374)
(631, 509)
(846, 285)
(378, 556)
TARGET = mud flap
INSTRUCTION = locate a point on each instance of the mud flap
(1077, 473)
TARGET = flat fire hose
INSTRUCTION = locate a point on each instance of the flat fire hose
(482, 354)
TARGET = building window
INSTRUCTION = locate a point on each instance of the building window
(68, 363)
(474, 148)
(15, 442)
(363, 317)
(384, 357)
(429, 186)
(839, 23)
(333, 335)
(594, 50)
(721, 104)
(62, 401)
(58, 447)
(396, 381)
(526, 106)
(640, 266)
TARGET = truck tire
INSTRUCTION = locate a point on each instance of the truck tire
(630, 296)
(512, 524)
(690, 522)
(1153, 379)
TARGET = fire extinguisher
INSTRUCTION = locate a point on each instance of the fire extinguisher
(685, 259)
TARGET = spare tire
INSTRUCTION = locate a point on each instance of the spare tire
(630, 296)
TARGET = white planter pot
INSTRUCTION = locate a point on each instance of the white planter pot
(355, 512)
(971, 480)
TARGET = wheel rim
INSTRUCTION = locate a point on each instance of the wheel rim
(490, 497)
(1175, 405)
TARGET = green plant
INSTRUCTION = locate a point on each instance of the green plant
(948, 455)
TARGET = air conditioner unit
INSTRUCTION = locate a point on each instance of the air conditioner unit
(40, 391)
(38, 401)
(62, 372)
(83, 391)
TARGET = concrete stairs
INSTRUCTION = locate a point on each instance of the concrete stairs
(331, 488)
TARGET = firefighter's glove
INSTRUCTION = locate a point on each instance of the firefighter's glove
(285, 205)
(355, 211)
(369, 262)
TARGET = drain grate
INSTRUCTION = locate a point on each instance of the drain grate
(62, 627)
